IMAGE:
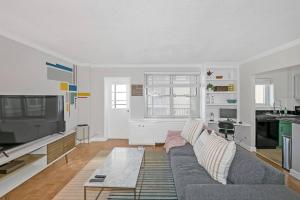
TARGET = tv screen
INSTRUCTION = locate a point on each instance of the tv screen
(27, 118)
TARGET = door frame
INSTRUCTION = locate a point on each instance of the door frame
(107, 103)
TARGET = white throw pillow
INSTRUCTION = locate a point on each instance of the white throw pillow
(200, 143)
(191, 130)
(216, 156)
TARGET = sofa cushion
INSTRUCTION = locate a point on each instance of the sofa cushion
(239, 192)
(186, 150)
(186, 170)
(216, 156)
(245, 168)
(185, 165)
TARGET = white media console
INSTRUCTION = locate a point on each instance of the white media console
(37, 155)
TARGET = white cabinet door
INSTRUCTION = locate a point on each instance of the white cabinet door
(297, 86)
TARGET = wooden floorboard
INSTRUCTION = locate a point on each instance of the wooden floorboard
(46, 184)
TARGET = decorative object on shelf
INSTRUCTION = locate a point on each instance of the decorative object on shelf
(231, 87)
(209, 73)
(136, 90)
(210, 87)
(221, 88)
(231, 101)
(11, 166)
(212, 99)
(219, 77)
(212, 117)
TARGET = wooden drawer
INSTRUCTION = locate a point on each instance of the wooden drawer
(69, 142)
(60, 147)
(54, 150)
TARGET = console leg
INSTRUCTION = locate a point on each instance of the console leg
(66, 159)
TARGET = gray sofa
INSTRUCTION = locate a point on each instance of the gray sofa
(248, 178)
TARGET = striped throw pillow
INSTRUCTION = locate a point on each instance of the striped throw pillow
(191, 130)
(199, 144)
(216, 157)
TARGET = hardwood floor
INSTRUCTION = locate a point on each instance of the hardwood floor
(290, 181)
(46, 184)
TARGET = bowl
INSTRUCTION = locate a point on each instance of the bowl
(231, 100)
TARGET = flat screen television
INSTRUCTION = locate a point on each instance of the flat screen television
(27, 118)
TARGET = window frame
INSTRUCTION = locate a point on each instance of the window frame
(114, 97)
(171, 85)
(269, 95)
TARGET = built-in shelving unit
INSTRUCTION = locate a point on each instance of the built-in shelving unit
(229, 92)
(224, 87)
(224, 104)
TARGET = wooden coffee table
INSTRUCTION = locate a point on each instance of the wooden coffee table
(122, 168)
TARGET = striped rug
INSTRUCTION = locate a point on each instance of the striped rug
(155, 180)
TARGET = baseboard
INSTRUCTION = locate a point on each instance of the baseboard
(98, 139)
(295, 174)
(247, 147)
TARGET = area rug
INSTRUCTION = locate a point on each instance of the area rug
(155, 181)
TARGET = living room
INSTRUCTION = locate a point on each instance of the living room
(146, 100)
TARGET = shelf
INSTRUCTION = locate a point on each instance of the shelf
(222, 104)
(28, 159)
(234, 92)
(221, 80)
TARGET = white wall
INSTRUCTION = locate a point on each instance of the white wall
(23, 71)
(137, 77)
(283, 80)
(83, 104)
(285, 58)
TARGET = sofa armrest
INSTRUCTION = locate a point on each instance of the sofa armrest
(238, 192)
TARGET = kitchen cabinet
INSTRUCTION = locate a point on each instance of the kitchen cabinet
(297, 86)
(285, 128)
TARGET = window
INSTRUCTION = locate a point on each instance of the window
(172, 95)
(119, 96)
(264, 92)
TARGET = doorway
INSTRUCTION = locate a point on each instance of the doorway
(117, 107)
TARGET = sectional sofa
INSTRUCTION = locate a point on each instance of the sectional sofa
(248, 178)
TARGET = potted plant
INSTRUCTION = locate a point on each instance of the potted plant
(210, 87)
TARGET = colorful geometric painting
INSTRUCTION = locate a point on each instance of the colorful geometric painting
(64, 86)
(68, 83)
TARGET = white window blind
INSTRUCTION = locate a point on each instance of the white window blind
(172, 95)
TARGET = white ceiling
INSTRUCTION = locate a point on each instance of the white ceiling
(153, 31)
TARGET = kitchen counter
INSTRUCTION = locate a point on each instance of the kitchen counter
(288, 118)
(295, 120)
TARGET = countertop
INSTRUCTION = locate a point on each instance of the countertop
(289, 118)
(292, 120)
